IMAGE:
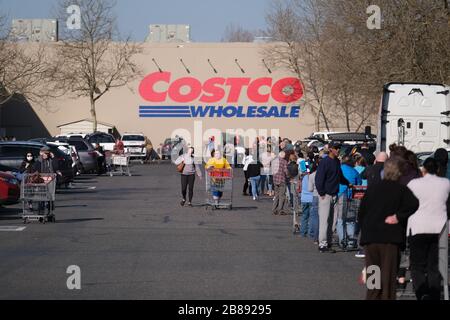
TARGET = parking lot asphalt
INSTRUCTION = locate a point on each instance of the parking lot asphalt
(132, 240)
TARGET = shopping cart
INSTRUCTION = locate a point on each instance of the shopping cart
(219, 188)
(117, 164)
(37, 192)
(350, 214)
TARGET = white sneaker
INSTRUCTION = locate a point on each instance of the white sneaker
(254, 198)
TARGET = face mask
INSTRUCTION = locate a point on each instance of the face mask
(29, 158)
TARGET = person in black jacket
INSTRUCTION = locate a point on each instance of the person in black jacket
(373, 173)
(254, 175)
(441, 156)
(366, 154)
(383, 216)
(27, 164)
(45, 163)
(328, 177)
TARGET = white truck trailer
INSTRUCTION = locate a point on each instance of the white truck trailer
(416, 115)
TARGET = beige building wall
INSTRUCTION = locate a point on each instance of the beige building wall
(120, 107)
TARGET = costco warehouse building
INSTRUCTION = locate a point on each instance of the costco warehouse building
(185, 86)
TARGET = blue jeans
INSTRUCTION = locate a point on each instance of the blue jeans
(262, 183)
(270, 182)
(306, 212)
(254, 182)
(313, 223)
(291, 194)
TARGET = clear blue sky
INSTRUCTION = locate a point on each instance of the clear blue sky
(208, 18)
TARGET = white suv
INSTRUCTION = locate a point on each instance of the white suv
(134, 144)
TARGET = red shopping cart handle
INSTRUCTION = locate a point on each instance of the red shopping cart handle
(220, 173)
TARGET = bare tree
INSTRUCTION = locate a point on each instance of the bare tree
(94, 59)
(236, 33)
(296, 29)
(25, 69)
(344, 65)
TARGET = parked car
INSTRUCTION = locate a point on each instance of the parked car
(134, 144)
(105, 140)
(422, 156)
(87, 154)
(12, 154)
(167, 148)
(323, 136)
(71, 135)
(70, 151)
(9, 189)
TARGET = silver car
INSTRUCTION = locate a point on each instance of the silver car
(86, 152)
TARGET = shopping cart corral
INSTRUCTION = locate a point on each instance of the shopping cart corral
(219, 189)
(37, 193)
(118, 164)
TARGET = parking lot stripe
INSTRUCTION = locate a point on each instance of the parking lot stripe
(11, 228)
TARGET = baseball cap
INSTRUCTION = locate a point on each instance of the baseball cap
(45, 149)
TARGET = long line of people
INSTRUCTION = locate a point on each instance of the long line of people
(403, 204)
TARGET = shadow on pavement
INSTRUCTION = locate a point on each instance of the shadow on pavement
(243, 208)
(234, 208)
(73, 206)
(10, 218)
(76, 191)
(9, 211)
(78, 220)
(85, 178)
(10, 214)
(84, 181)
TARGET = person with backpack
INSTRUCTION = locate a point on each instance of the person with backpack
(188, 170)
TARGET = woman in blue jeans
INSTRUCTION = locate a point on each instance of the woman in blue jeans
(254, 175)
(313, 223)
(306, 199)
